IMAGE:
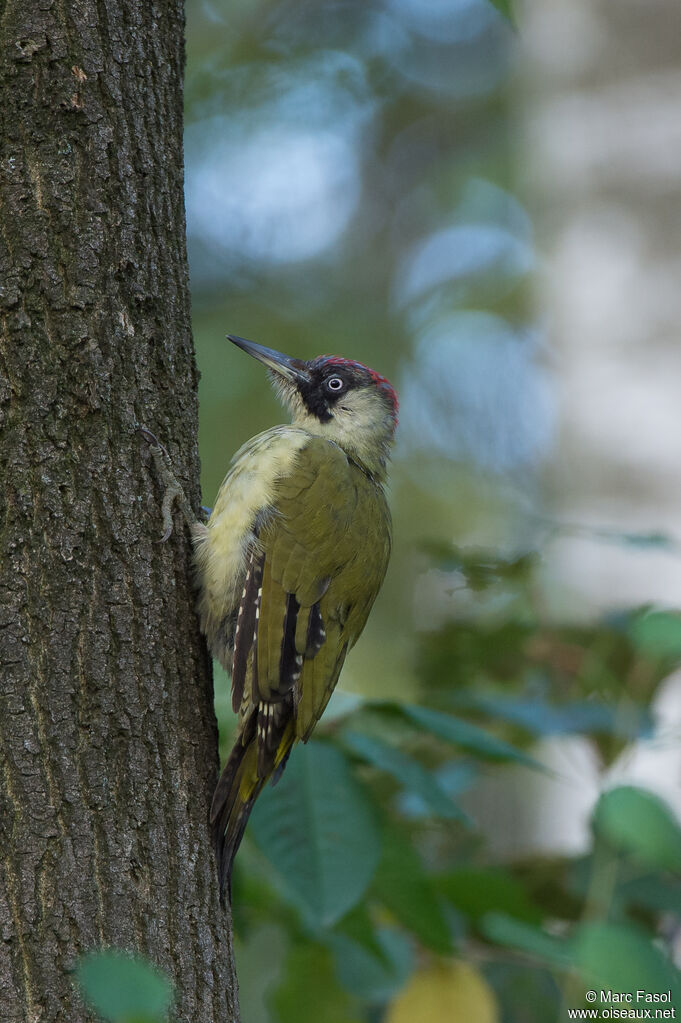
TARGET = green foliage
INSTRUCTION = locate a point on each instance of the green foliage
(374, 978)
(475, 892)
(639, 825)
(621, 958)
(124, 989)
(311, 993)
(533, 941)
(467, 736)
(410, 774)
(615, 957)
(370, 859)
(404, 888)
(318, 829)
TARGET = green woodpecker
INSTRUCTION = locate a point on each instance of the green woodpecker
(290, 563)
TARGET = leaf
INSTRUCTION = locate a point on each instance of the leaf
(445, 993)
(622, 958)
(407, 771)
(404, 888)
(318, 830)
(358, 928)
(468, 736)
(528, 994)
(639, 824)
(310, 992)
(652, 891)
(609, 956)
(124, 989)
(475, 892)
(373, 979)
(542, 718)
(504, 930)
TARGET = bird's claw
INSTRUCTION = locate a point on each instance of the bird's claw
(173, 490)
(152, 439)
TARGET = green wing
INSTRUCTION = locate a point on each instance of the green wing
(323, 553)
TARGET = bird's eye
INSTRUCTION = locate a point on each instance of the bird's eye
(335, 384)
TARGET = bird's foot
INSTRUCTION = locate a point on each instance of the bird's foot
(173, 491)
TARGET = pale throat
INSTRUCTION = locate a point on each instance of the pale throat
(365, 442)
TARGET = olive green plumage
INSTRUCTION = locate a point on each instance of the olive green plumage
(325, 540)
(289, 566)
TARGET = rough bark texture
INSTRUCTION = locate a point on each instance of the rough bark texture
(108, 744)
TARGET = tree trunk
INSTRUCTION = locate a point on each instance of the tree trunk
(108, 741)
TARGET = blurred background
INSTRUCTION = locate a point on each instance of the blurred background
(482, 203)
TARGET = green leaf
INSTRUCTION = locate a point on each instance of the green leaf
(124, 989)
(475, 892)
(468, 736)
(653, 891)
(310, 992)
(403, 887)
(318, 829)
(407, 771)
(504, 930)
(609, 956)
(638, 824)
(358, 928)
(370, 978)
(622, 958)
(543, 718)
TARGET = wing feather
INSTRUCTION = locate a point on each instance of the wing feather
(246, 626)
(323, 554)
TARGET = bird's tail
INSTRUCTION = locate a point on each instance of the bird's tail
(237, 790)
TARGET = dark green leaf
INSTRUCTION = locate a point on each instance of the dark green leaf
(310, 992)
(123, 989)
(407, 771)
(654, 891)
(475, 892)
(403, 887)
(638, 824)
(467, 736)
(318, 829)
(370, 978)
(358, 927)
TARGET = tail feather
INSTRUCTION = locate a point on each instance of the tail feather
(240, 784)
(235, 794)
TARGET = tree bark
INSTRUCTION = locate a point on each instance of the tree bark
(108, 740)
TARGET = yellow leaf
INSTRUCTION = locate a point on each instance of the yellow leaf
(445, 993)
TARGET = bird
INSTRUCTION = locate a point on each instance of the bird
(289, 564)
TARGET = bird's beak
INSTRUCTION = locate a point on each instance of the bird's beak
(284, 365)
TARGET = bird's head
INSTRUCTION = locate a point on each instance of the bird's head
(332, 397)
